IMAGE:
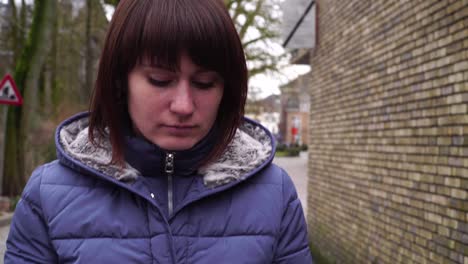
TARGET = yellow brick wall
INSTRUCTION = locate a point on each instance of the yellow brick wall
(388, 164)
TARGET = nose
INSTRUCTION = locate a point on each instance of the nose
(182, 102)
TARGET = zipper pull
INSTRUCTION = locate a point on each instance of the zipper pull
(169, 167)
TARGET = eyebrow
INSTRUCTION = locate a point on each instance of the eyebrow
(153, 66)
(165, 68)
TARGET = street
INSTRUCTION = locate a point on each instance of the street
(3, 237)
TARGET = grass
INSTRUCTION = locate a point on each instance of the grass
(286, 153)
(281, 154)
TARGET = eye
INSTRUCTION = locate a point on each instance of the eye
(203, 85)
(159, 83)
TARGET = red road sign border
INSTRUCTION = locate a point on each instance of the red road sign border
(15, 89)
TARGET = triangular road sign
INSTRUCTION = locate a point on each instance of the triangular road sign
(9, 94)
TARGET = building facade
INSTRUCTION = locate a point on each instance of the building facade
(388, 150)
(295, 105)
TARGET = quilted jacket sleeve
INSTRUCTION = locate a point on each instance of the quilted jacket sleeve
(293, 246)
(28, 240)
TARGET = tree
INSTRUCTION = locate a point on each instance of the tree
(75, 49)
(55, 62)
(27, 74)
(111, 2)
(89, 58)
(257, 22)
(17, 28)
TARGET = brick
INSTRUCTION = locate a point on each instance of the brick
(460, 140)
(460, 87)
(453, 182)
(452, 223)
(455, 161)
(444, 231)
(461, 66)
(464, 184)
(458, 109)
(444, 170)
(460, 172)
(459, 193)
(456, 256)
(444, 141)
(433, 217)
(455, 131)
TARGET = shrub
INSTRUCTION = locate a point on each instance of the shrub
(281, 147)
(293, 151)
(287, 151)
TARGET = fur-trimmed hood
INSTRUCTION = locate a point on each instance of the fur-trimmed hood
(251, 149)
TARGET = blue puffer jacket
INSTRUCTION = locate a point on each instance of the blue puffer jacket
(158, 209)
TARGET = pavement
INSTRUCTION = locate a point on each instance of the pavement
(3, 237)
(5, 220)
(296, 167)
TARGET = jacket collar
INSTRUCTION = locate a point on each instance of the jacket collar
(251, 149)
(149, 159)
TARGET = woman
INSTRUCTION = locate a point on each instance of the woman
(164, 169)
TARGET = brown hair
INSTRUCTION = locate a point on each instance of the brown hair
(161, 30)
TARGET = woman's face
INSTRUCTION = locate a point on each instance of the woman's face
(174, 110)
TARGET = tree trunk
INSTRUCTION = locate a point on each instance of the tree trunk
(56, 93)
(27, 74)
(89, 59)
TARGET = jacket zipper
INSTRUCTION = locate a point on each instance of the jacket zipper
(169, 168)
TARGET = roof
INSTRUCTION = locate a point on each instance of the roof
(296, 13)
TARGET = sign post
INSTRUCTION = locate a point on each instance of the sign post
(9, 95)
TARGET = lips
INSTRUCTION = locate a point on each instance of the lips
(179, 130)
(180, 126)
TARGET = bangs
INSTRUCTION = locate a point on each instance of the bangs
(162, 30)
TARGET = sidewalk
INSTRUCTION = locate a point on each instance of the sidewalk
(5, 220)
(297, 168)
